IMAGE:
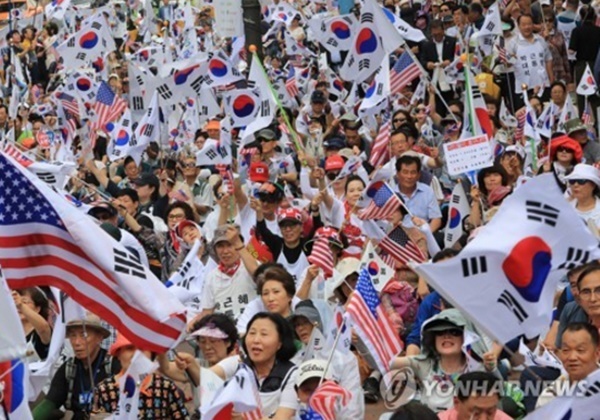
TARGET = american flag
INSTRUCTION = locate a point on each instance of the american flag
(108, 106)
(290, 84)
(385, 202)
(372, 323)
(321, 253)
(587, 118)
(17, 155)
(45, 242)
(380, 153)
(521, 120)
(404, 71)
(323, 401)
(70, 103)
(398, 245)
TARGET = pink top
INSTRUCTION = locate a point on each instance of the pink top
(452, 414)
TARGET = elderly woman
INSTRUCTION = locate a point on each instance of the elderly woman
(565, 153)
(584, 186)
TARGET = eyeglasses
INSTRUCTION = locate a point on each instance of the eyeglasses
(564, 150)
(578, 181)
(176, 216)
(288, 225)
(586, 294)
(189, 165)
(454, 332)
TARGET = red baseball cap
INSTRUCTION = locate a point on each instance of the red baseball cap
(291, 213)
(334, 162)
(258, 172)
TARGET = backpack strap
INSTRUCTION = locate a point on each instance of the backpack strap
(70, 374)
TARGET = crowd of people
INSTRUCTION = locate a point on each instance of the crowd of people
(278, 236)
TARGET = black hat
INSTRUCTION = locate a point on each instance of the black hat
(334, 143)
(317, 97)
(147, 179)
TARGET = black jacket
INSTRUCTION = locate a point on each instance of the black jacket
(429, 52)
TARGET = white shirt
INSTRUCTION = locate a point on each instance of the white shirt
(285, 398)
(529, 60)
(228, 295)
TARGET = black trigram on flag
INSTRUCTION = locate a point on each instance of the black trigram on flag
(332, 42)
(104, 42)
(541, 212)
(148, 130)
(379, 89)
(47, 177)
(474, 265)
(97, 26)
(351, 61)
(508, 300)
(366, 17)
(211, 154)
(575, 258)
(197, 85)
(81, 56)
(149, 112)
(593, 389)
(456, 199)
(222, 151)
(127, 263)
(265, 109)
(139, 79)
(71, 42)
(125, 123)
(165, 92)
(207, 80)
(183, 272)
(203, 110)
(365, 63)
(137, 103)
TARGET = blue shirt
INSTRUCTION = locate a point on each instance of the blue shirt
(422, 203)
(429, 307)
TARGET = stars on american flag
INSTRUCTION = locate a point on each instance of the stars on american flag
(17, 196)
(368, 292)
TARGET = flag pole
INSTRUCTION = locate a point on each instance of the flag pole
(428, 79)
(255, 56)
(333, 348)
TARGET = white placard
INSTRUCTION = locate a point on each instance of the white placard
(228, 18)
(468, 155)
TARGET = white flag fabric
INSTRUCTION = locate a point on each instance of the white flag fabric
(129, 386)
(339, 325)
(505, 279)
(567, 113)
(374, 40)
(458, 211)
(316, 347)
(12, 337)
(267, 107)
(587, 85)
(334, 33)
(379, 89)
(214, 153)
(121, 137)
(218, 70)
(90, 43)
(241, 392)
(242, 106)
(380, 272)
(186, 283)
(148, 130)
(404, 29)
(41, 372)
(506, 117)
(582, 405)
(492, 24)
(57, 9)
(207, 105)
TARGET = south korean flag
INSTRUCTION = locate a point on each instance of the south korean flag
(186, 283)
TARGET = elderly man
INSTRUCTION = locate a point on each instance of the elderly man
(579, 354)
(71, 385)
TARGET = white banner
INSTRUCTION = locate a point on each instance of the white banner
(468, 155)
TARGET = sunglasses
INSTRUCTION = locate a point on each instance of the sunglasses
(399, 120)
(578, 181)
(419, 110)
(454, 332)
(564, 149)
(332, 175)
(189, 165)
